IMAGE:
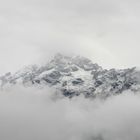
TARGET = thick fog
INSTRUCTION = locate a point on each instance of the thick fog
(106, 31)
(33, 114)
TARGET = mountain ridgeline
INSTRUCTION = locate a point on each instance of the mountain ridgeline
(73, 76)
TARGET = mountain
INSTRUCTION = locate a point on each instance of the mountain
(76, 75)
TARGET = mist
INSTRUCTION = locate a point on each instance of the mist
(106, 31)
(33, 114)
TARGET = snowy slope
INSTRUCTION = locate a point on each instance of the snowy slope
(76, 75)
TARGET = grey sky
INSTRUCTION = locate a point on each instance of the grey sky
(107, 31)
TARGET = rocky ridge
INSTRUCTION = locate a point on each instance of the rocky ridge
(73, 76)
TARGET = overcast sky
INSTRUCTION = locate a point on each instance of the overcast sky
(106, 31)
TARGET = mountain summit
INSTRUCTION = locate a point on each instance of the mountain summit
(76, 75)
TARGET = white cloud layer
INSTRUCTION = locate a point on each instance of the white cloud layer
(107, 31)
(31, 114)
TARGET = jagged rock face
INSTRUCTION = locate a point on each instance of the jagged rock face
(74, 76)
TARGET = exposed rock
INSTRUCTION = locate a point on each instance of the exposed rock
(76, 75)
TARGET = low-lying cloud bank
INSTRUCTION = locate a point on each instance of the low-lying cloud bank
(32, 114)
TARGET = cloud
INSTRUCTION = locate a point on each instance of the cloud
(107, 31)
(32, 114)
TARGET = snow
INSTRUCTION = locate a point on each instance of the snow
(87, 78)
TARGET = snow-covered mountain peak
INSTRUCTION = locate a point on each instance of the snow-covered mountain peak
(75, 75)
